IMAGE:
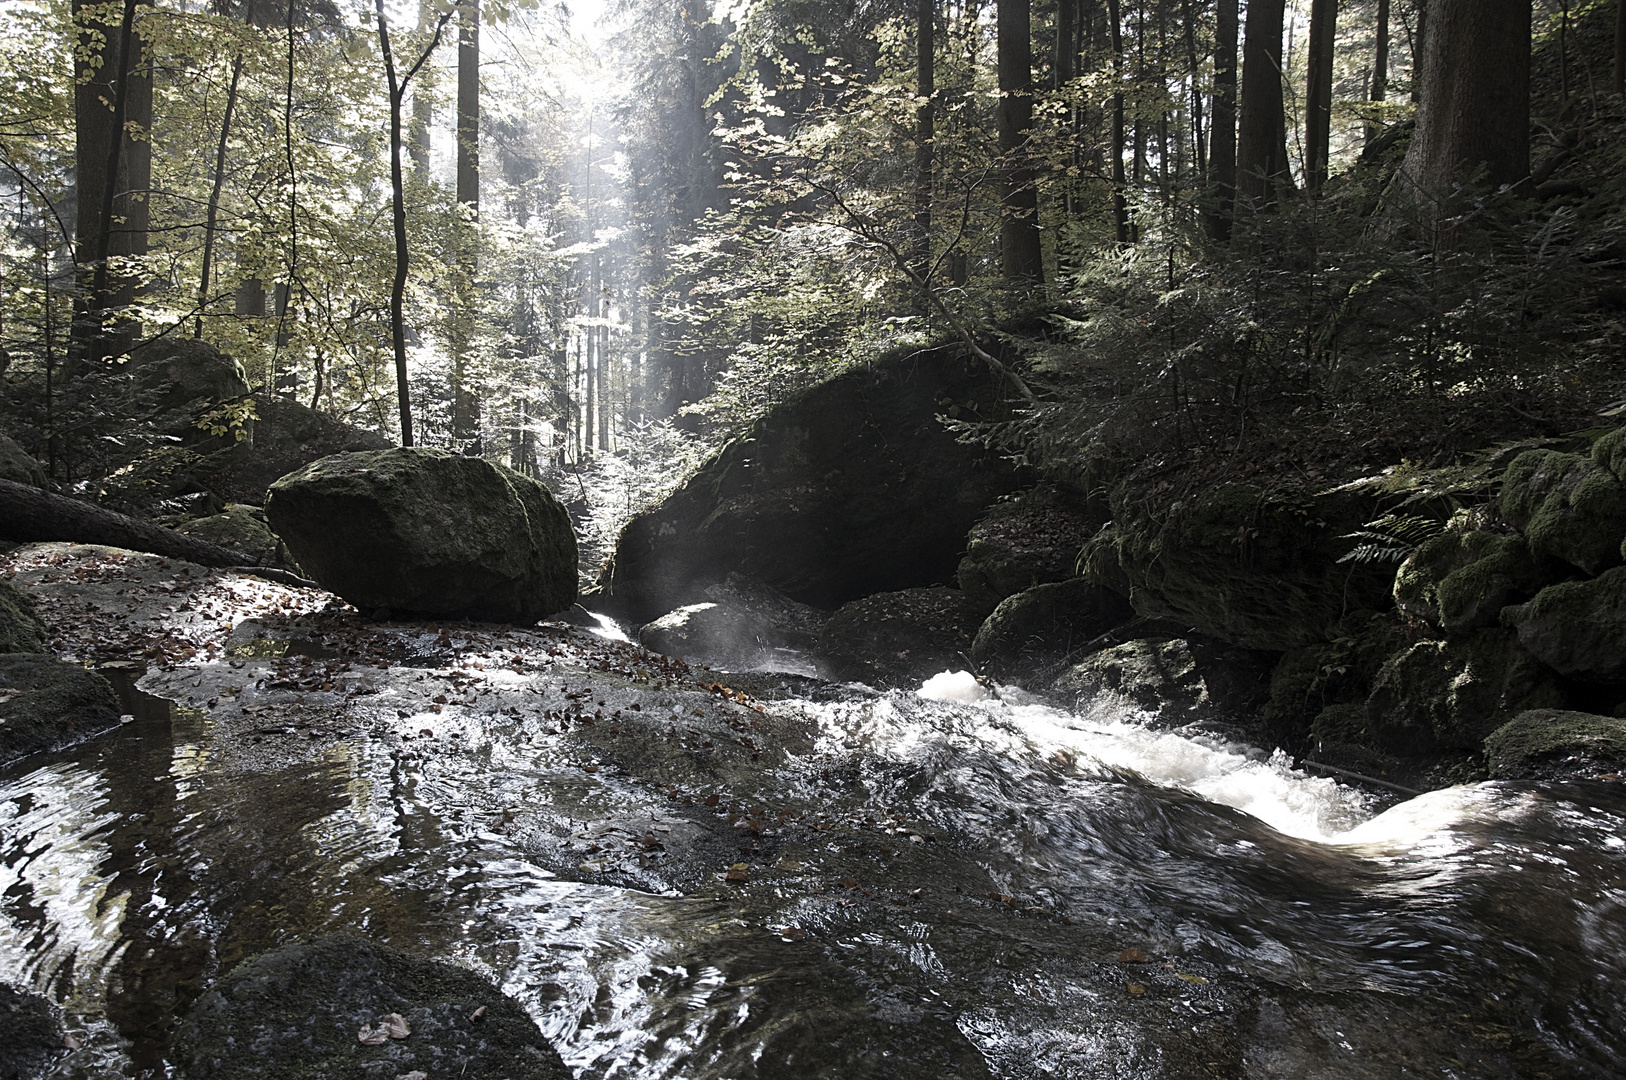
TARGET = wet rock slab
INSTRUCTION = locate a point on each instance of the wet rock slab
(46, 703)
(315, 1010)
(30, 1034)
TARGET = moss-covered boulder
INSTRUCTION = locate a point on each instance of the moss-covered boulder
(17, 465)
(181, 375)
(1577, 628)
(300, 1011)
(1031, 538)
(240, 528)
(21, 629)
(32, 1034)
(1443, 696)
(1310, 679)
(1546, 743)
(1236, 563)
(424, 532)
(899, 639)
(1568, 507)
(1460, 581)
(1033, 631)
(1610, 452)
(850, 488)
(46, 703)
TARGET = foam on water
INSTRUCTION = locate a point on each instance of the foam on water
(959, 686)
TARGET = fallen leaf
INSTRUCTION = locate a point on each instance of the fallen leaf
(415, 1074)
(1135, 988)
(370, 1036)
(793, 933)
(1133, 956)
(1192, 978)
(738, 872)
(477, 1015)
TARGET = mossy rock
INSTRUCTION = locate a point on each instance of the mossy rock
(1548, 743)
(1610, 452)
(17, 465)
(1568, 506)
(1312, 678)
(183, 374)
(1157, 676)
(1578, 628)
(1242, 565)
(1033, 631)
(899, 638)
(286, 436)
(21, 628)
(428, 533)
(294, 1014)
(1032, 538)
(46, 703)
(237, 528)
(1460, 581)
(1441, 696)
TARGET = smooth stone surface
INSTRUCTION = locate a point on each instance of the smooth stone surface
(297, 1011)
(425, 532)
(741, 625)
(47, 703)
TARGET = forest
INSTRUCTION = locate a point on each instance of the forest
(771, 538)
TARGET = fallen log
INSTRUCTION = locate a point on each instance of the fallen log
(29, 515)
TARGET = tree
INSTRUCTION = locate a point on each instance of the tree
(1261, 150)
(1380, 63)
(1120, 200)
(397, 86)
(465, 402)
(1474, 112)
(1020, 256)
(1318, 95)
(925, 89)
(1222, 137)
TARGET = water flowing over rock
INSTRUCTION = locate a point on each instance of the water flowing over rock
(1568, 507)
(46, 703)
(851, 488)
(297, 1011)
(1030, 539)
(1460, 581)
(1577, 628)
(427, 532)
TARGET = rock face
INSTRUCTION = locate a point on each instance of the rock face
(1568, 507)
(1038, 627)
(184, 374)
(1460, 581)
(298, 1011)
(1577, 628)
(33, 1035)
(1552, 742)
(1232, 563)
(1029, 539)
(17, 465)
(238, 528)
(741, 626)
(851, 488)
(46, 703)
(899, 638)
(1441, 696)
(428, 533)
(21, 630)
(1157, 676)
(286, 437)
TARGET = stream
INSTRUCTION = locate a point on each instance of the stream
(940, 883)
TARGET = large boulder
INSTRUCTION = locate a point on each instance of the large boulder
(1460, 581)
(1234, 562)
(1035, 630)
(181, 376)
(1029, 539)
(1442, 696)
(423, 532)
(740, 625)
(314, 1011)
(1577, 628)
(240, 528)
(850, 488)
(286, 437)
(1544, 743)
(46, 703)
(21, 629)
(1568, 507)
(17, 465)
(899, 638)
(1154, 676)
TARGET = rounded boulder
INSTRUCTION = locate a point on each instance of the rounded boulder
(428, 533)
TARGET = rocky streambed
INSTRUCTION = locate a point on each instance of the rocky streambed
(677, 872)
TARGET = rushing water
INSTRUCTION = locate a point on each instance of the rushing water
(941, 885)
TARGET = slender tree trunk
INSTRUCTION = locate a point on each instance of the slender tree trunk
(1380, 64)
(1261, 151)
(1199, 145)
(603, 333)
(465, 402)
(1120, 201)
(1620, 47)
(1222, 137)
(1475, 109)
(925, 135)
(212, 213)
(1318, 95)
(423, 108)
(1019, 246)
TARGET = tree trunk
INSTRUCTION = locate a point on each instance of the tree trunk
(1475, 108)
(465, 402)
(1222, 132)
(30, 515)
(423, 110)
(1261, 152)
(112, 95)
(1318, 94)
(925, 134)
(1019, 249)
(1120, 201)
(213, 211)
(1380, 64)
(1199, 145)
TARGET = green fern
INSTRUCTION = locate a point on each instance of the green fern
(1391, 538)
